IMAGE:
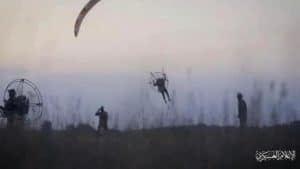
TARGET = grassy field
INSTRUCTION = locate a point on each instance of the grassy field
(186, 147)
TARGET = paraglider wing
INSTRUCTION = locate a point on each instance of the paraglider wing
(82, 14)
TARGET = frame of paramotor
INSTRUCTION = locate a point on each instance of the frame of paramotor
(156, 75)
(26, 89)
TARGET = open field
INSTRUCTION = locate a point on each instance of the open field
(186, 147)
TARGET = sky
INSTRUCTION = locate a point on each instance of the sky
(224, 43)
(141, 35)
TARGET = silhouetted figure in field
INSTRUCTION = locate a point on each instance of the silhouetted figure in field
(161, 86)
(242, 108)
(10, 108)
(103, 117)
(15, 109)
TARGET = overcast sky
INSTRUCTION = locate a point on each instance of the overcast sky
(221, 36)
(225, 45)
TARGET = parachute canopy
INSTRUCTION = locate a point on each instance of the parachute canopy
(82, 14)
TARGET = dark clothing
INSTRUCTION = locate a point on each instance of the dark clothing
(9, 111)
(163, 94)
(103, 118)
(10, 106)
(14, 110)
(161, 85)
(160, 82)
(242, 108)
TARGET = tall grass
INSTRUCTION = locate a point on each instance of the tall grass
(268, 104)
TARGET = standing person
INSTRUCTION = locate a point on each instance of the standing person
(242, 108)
(23, 109)
(10, 108)
(103, 117)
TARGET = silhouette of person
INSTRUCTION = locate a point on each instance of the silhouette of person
(242, 108)
(161, 86)
(10, 108)
(103, 117)
(22, 110)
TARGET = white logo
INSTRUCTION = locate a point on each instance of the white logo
(275, 155)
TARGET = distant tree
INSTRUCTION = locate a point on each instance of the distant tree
(273, 103)
(225, 111)
(256, 103)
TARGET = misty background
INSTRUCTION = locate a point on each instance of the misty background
(210, 50)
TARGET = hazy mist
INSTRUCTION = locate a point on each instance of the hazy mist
(210, 50)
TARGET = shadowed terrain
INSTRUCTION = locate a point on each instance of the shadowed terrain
(186, 147)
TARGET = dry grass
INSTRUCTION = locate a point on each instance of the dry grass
(162, 148)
